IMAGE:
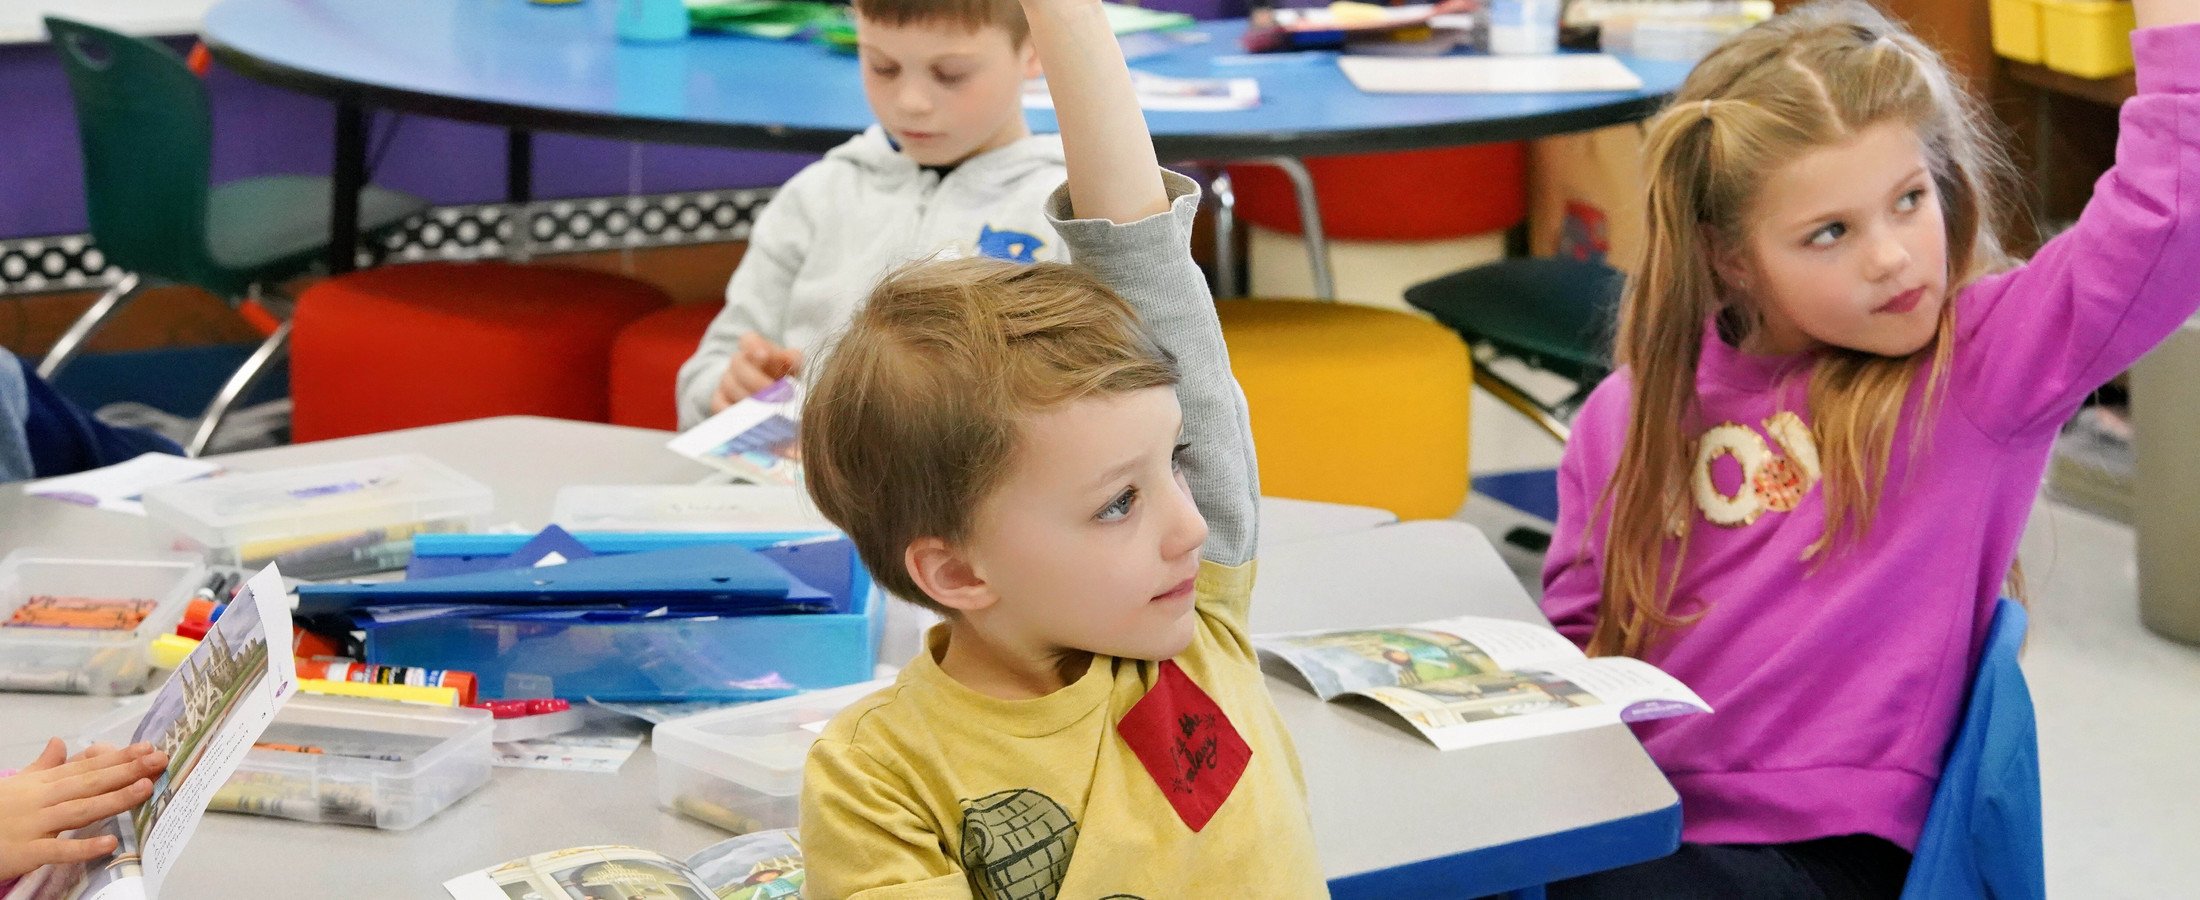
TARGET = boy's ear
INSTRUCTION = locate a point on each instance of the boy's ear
(947, 575)
(1030, 50)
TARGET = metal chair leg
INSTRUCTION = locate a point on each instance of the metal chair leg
(240, 383)
(1511, 395)
(1226, 285)
(72, 341)
(1310, 223)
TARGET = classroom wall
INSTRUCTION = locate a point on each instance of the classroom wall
(266, 130)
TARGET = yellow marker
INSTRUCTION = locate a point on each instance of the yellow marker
(167, 651)
(404, 693)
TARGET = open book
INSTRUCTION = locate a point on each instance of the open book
(205, 717)
(764, 865)
(1470, 681)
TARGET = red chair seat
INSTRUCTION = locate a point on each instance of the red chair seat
(412, 345)
(646, 360)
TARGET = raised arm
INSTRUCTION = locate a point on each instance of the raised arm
(1113, 173)
(1132, 227)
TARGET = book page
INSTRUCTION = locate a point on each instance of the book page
(582, 873)
(1337, 662)
(206, 716)
(1483, 709)
(758, 439)
(761, 865)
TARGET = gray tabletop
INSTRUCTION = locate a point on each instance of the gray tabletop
(1382, 796)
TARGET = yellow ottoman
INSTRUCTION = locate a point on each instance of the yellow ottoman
(1352, 404)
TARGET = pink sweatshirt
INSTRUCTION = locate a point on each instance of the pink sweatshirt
(1837, 689)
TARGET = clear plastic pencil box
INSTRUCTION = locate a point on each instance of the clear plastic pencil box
(110, 659)
(741, 768)
(321, 521)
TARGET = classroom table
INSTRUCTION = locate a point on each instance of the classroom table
(531, 67)
(1395, 817)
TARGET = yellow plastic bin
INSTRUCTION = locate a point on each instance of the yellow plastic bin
(2017, 30)
(2088, 38)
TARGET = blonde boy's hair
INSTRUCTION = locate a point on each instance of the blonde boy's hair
(1007, 15)
(915, 416)
(1809, 78)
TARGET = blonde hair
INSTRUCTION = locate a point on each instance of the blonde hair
(914, 417)
(1812, 77)
(1007, 15)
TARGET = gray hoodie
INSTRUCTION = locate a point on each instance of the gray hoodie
(843, 222)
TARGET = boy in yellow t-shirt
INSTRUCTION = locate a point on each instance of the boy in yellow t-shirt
(1056, 459)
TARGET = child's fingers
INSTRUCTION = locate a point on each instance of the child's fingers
(90, 761)
(86, 810)
(53, 755)
(91, 751)
(121, 768)
(50, 851)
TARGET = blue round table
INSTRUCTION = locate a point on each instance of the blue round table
(560, 68)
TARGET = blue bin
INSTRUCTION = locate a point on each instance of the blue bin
(722, 658)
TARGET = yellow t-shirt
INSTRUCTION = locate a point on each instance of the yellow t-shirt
(928, 789)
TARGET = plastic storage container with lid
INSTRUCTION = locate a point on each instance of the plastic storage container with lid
(741, 768)
(321, 521)
(114, 607)
(2017, 29)
(351, 761)
(2088, 38)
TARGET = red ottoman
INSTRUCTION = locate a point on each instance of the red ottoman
(411, 345)
(646, 360)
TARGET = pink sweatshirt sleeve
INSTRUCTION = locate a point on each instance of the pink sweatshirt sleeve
(2033, 342)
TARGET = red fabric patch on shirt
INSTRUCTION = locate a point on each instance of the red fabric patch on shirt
(1189, 747)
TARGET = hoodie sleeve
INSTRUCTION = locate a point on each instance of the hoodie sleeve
(2035, 341)
(758, 294)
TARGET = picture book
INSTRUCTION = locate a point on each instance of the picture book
(1469, 681)
(764, 865)
(205, 717)
(757, 439)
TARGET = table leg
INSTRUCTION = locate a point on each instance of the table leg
(519, 192)
(347, 179)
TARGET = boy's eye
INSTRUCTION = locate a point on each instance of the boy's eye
(885, 71)
(1120, 506)
(1827, 235)
(1176, 457)
(951, 78)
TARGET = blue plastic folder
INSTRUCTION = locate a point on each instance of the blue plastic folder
(712, 579)
(651, 657)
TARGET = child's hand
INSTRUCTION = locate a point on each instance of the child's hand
(53, 795)
(755, 365)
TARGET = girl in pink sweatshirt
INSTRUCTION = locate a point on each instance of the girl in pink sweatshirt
(1802, 491)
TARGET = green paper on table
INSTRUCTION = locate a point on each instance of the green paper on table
(770, 19)
(1131, 19)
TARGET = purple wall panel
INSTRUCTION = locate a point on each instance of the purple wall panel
(261, 130)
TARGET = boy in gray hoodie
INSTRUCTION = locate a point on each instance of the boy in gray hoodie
(950, 167)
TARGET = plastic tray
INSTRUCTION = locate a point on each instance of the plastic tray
(741, 769)
(87, 661)
(430, 758)
(323, 521)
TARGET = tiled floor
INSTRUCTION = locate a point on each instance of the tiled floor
(2119, 707)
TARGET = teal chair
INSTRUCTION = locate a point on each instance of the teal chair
(147, 136)
(1555, 315)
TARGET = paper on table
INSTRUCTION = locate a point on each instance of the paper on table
(118, 487)
(1160, 93)
(1488, 74)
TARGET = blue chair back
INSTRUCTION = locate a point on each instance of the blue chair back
(1982, 834)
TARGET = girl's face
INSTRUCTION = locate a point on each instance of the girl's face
(1845, 246)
